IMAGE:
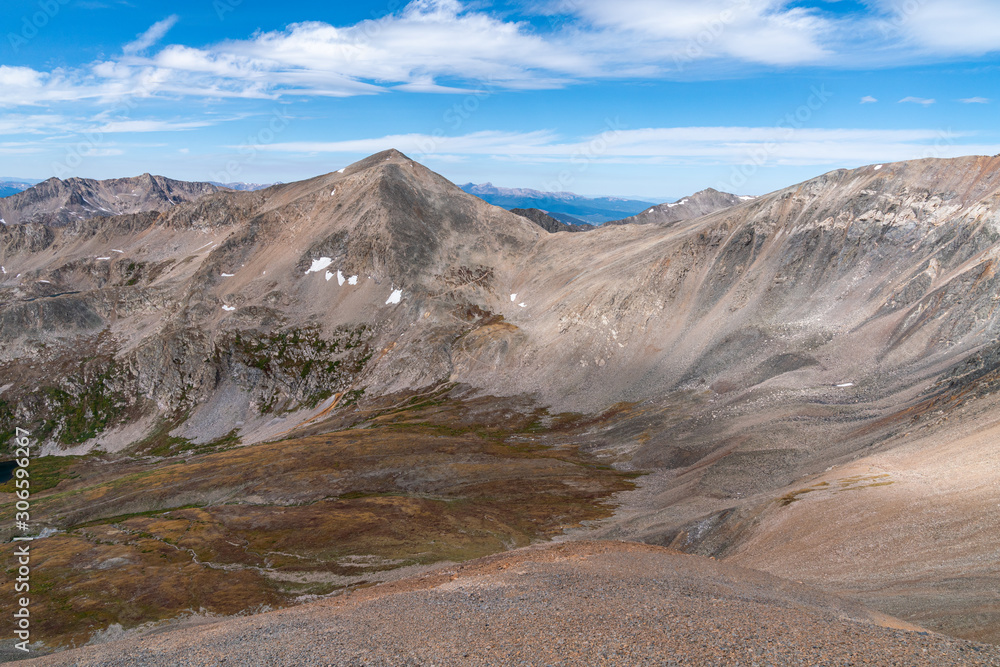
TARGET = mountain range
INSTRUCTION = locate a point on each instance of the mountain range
(564, 206)
(285, 393)
(10, 186)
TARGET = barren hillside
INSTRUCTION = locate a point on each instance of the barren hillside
(753, 371)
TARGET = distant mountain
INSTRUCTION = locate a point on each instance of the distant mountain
(699, 204)
(561, 217)
(244, 187)
(593, 210)
(550, 223)
(14, 185)
(57, 203)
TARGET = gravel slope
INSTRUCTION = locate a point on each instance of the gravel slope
(577, 603)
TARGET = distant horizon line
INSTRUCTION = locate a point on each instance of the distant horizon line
(642, 198)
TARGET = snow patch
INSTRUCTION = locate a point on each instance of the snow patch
(228, 275)
(513, 297)
(100, 258)
(746, 197)
(228, 308)
(395, 297)
(204, 246)
(118, 251)
(340, 277)
(341, 171)
(3, 269)
(328, 276)
(353, 280)
(44, 281)
(523, 305)
(333, 192)
(845, 384)
(877, 167)
(319, 264)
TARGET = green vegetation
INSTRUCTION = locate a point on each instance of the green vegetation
(7, 423)
(46, 472)
(161, 443)
(131, 273)
(77, 418)
(304, 368)
(230, 529)
(351, 397)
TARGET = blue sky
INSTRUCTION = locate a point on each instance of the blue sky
(654, 99)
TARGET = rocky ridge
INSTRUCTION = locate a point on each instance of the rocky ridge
(736, 357)
(549, 223)
(58, 203)
(700, 203)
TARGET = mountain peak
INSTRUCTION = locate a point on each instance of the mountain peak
(390, 155)
(58, 203)
(700, 203)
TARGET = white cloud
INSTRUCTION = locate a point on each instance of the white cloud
(488, 142)
(448, 46)
(945, 27)
(759, 31)
(975, 100)
(32, 124)
(679, 145)
(18, 148)
(917, 100)
(868, 99)
(149, 126)
(155, 33)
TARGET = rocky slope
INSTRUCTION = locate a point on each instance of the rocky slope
(536, 606)
(733, 357)
(700, 203)
(548, 223)
(58, 203)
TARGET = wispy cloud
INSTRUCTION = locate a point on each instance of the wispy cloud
(868, 99)
(975, 100)
(944, 27)
(19, 148)
(150, 126)
(32, 124)
(761, 32)
(55, 125)
(152, 36)
(678, 145)
(917, 100)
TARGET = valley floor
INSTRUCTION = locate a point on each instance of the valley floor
(577, 603)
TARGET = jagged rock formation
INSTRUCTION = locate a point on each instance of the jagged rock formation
(548, 223)
(737, 356)
(58, 203)
(700, 203)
